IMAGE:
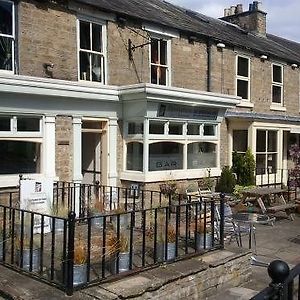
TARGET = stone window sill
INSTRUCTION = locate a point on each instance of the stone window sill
(246, 103)
(277, 107)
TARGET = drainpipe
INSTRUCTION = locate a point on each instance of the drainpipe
(209, 63)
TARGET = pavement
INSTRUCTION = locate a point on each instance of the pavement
(281, 241)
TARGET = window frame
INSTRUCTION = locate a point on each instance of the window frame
(168, 57)
(243, 78)
(277, 84)
(12, 37)
(102, 54)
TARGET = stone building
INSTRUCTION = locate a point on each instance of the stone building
(129, 91)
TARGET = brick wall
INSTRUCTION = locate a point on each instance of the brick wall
(64, 148)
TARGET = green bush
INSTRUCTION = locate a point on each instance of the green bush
(244, 168)
(227, 181)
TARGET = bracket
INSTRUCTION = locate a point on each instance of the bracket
(132, 47)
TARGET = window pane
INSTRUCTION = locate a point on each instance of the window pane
(154, 51)
(272, 163)
(162, 75)
(272, 141)
(163, 52)
(156, 128)
(175, 128)
(97, 37)
(193, 129)
(4, 123)
(154, 74)
(260, 164)
(135, 128)
(6, 53)
(201, 155)
(5, 17)
(84, 66)
(261, 141)
(277, 74)
(276, 94)
(240, 140)
(19, 157)
(85, 40)
(134, 157)
(242, 88)
(209, 130)
(165, 156)
(96, 68)
(28, 124)
(243, 66)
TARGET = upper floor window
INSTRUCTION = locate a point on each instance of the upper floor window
(243, 77)
(91, 51)
(7, 35)
(277, 84)
(159, 61)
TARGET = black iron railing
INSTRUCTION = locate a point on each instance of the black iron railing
(72, 253)
(285, 283)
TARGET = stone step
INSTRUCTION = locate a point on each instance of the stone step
(236, 293)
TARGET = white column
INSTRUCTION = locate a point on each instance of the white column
(77, 160)
(146, 148)
(112, 151)
(49, 147)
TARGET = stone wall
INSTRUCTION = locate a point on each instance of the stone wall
(64, 148)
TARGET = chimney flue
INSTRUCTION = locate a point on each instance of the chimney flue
(232, 10)
(250, 6)
(226, 12)
(239, 9)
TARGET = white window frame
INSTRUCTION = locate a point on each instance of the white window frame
(243, 78)
(167, 39)
(103, 54)
(277, 84)
(12, 37)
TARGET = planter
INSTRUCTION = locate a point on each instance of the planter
(36, 256)
(200, 241)
(59, 225)
(160, 252)
(124, 262)
(97, 220)
(124, 221)
(79, 274)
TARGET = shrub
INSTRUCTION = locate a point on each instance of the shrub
(227, 181)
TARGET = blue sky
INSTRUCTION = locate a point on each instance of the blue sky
(282, 15)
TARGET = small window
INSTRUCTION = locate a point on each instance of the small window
(175, 128)
(159, 61)
(28, 124)
(135, 128)
(135, 156)
(243, 77)
(91, 52)
(6, 35)
(277, 84)
(5, 124)
(156, 127)
(209, 130)
(240, 141)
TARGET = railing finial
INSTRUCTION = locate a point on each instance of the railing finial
(278, 270)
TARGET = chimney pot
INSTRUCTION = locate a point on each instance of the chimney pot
(232, 10)
(239, 8)
(255, 5)
(250, 7)
(259, 5)
(226, 12)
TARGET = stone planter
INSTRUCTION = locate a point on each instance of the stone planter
(124, 261)
(79, 274)
(160, 252)
(200, 240)
(97, 220)
(36, 256)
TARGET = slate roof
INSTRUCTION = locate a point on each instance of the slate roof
(193, 23)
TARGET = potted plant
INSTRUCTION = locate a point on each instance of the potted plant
(80, 259)
(123, 216)
(60, 210)
(203, 236)
(96, 212)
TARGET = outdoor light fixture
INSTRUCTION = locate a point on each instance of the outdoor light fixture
(221, 45)
(294, 66)
(263, 57)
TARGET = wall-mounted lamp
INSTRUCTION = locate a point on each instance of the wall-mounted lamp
(263, 57)
(221, 45)
(294, 66)
(192, 39)
(48, 68)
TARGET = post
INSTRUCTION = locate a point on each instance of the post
(70, 255)
(222, 220)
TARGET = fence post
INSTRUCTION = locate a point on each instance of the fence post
(278, 270)
(222, 220)
(70, 255)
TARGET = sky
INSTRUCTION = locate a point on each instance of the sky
(282, 15)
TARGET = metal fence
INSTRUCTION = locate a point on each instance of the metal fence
(72, 253)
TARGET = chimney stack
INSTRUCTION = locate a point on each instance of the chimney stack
(239, 9)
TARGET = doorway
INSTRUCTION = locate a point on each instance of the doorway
(94, 151)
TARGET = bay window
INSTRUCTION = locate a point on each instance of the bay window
(7, 35)
(201, 155)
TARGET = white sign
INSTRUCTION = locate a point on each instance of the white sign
(37, 196)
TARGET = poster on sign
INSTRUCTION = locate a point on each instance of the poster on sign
(37, 196)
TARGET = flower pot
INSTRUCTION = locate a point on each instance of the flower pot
(124, 262)
(36, 256)
(59, 225)
(124, 221)
(160, 252)
(79, 274)
(97, 220)
(200, 240)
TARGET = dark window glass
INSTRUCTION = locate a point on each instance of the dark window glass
(134, 156)
(165, 156)
(261, 141)
(156, 128)
(175, 128)
(277, 74)
(84, 65)
(243, 66)
(97, 37)
(4, 123)
(162, 75)
(193, 129)
(6, 20)
(276, 94)
(272, 141)
(242, 88)
(154, 51)
(209, 130)
(85, 39)
(163, 52)
(6, 49)
(135, 128)
(260, 164)
(240, 140)
(28, 124)
(19, 157)
(96, 67)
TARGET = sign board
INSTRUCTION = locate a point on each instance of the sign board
(37, 196)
